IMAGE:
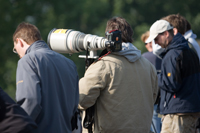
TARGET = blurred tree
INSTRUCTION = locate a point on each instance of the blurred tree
(88, 16)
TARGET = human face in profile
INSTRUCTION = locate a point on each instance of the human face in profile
(161, 39)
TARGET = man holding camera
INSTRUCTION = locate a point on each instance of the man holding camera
(122, 86)
(47, 82)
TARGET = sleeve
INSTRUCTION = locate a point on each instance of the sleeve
(28, 93)
(170, 77)
(91, 84)
(195, 45)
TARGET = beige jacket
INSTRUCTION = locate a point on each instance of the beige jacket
(123, 92)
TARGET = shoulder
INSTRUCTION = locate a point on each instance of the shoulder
(193, 41)
(171, 54)
(26, 63)
(147, 53)
(145, 61)
(100, 64)
(24, 59)
(29, 58)
(106, 63)
(114, 61)
(111, 58)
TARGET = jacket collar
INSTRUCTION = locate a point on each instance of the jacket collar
(178, 42)
(36, 45)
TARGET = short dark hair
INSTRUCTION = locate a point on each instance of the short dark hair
(177, 21)
(28, 32)
(119, 23)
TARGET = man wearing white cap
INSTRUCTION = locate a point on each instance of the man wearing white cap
(179, 80)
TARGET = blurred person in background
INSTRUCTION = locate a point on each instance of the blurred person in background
(190, 37)
(156, 121)
(180, 26)
(149, 55)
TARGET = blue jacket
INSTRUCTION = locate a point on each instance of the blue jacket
(179, 80)
(47, 88)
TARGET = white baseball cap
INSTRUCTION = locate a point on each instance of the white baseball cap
(158, 27)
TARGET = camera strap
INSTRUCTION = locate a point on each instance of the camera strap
(104, 55)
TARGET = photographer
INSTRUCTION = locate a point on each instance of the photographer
(122, 85)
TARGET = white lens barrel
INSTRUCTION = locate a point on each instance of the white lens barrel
(70, 41)
(57, 41)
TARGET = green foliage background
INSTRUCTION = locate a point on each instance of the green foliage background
(88, 16)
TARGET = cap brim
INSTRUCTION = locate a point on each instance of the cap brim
(151, 38)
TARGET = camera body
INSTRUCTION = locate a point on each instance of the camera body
(114, 42)
(71, 41)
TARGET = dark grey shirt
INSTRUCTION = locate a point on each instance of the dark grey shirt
(153, 59)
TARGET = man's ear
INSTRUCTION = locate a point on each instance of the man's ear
(21, 42)
(175, 31)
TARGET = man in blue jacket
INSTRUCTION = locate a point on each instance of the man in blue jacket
(47, 82)
(179, 80)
